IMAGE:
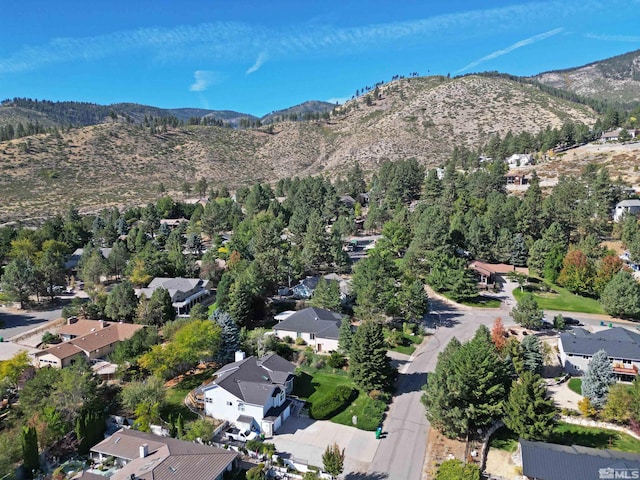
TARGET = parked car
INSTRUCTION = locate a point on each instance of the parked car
(234, 433)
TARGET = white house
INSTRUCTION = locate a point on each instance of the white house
(520, 160)
(626, 207)
(318, 327)
(251, 392)
(622, 346)
(184, 292)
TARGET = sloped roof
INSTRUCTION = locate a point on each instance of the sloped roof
(628, 203)
(323, 323)
(548, 461)
(61, 351)
(618, 342)
(251, 380)
(168, 458)
(173, 285)
(96, 338)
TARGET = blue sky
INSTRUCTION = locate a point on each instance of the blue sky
(260, 56)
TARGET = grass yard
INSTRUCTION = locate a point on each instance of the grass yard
(568, 434)
(482, 301)
(316, 385)
(575, 385)
(411, 342)
(559, 299)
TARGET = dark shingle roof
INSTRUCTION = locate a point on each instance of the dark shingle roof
(618, 342)
(548, 461)
(323, 323)
(253, 380)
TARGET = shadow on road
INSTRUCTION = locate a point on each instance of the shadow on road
(410, 382)
(366, 476)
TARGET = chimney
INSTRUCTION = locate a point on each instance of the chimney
(72, 320)
(101, 324)
(144, 450)
(239, 356)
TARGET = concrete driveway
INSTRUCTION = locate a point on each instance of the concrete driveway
(306, 440)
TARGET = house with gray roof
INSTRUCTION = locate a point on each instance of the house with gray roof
(626, 207)
(73, 260)
(184, 292)
(548, 461)
(622, 346)
(145, 456)
(318, 327)
(251, 393)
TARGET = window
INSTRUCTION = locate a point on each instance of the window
(208, 400)
(312, 336)
(298, 335)
(230, 404)
(240, 407)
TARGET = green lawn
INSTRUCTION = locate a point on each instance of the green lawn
(568, 434)
(560, 299)
(480, 301)
(314, 385)
(575, 384)
(411, 342)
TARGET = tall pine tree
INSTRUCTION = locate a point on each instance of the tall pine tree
(528, 411)
(368, 362)
(230, 342)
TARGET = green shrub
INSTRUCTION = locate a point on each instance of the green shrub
(337, 360)
(341, 397)
(372, 415)
(288, 340)
(300, 341)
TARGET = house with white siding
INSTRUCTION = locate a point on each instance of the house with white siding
(184, 292)
(318, 327)
(251, 393)
(578, 346)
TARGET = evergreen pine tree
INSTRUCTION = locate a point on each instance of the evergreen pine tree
(528, 411)
(333, 460)
(230, 342)
(327, 295)
(532, 354)
(519, 251)
(345, 338)
(597, 379)
(180, 426)
(30, 449)
(368, 362)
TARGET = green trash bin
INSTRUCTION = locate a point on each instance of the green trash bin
(377, 434)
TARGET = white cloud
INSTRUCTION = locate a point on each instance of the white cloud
(511, 48)
(262, 57)
(203, 80)
(244, 42)
(614, 38)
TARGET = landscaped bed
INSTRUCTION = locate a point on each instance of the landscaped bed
(316, 385)
(568, 434)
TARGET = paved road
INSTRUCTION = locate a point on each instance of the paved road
(400, 455)
(16, 322)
